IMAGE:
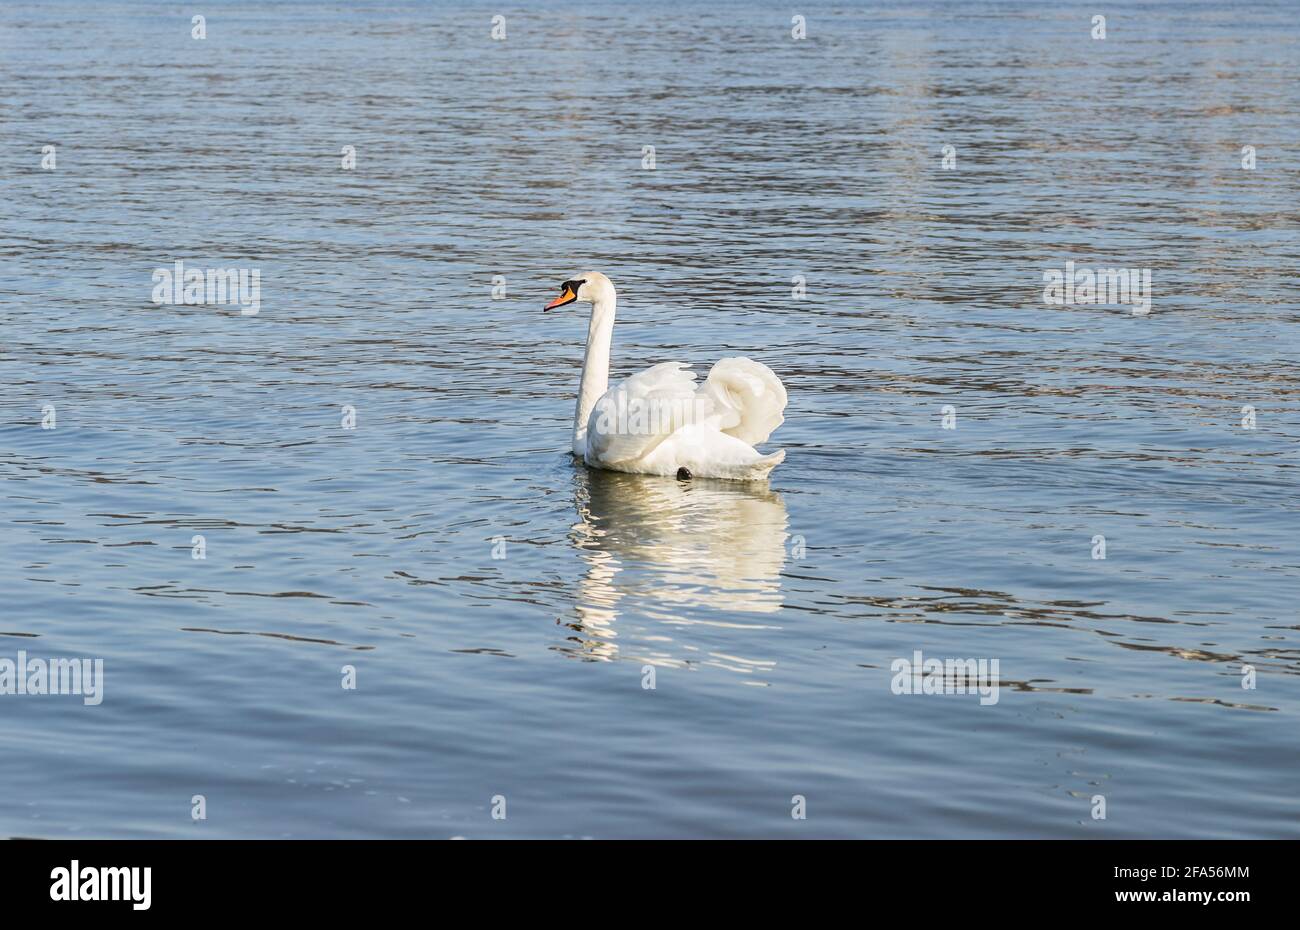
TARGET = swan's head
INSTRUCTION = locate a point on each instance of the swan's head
(588, 287)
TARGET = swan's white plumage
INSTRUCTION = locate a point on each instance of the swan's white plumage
(657, 421)
(616, 434)
(748, 396)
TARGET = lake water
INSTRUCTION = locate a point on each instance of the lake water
(771, 614)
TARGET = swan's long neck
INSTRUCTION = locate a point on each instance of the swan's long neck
(595, 367)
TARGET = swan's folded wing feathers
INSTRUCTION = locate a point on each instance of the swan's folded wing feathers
(639, 413)
(748, 397)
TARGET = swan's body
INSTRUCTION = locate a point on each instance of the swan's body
(658, 422)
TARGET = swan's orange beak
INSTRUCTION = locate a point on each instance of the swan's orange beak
(567, 296)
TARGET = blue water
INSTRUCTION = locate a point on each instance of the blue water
(769, 613)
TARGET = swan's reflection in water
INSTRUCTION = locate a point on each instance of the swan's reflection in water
(676, 552)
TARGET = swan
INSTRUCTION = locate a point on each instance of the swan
(657, 422)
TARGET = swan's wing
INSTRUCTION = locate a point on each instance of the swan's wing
(639, 413)
(748, 398)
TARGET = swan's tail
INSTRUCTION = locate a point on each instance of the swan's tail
(762, 467)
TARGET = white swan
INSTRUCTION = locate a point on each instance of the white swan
(657, 422)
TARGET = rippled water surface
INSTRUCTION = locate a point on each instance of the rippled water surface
(770, 613)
